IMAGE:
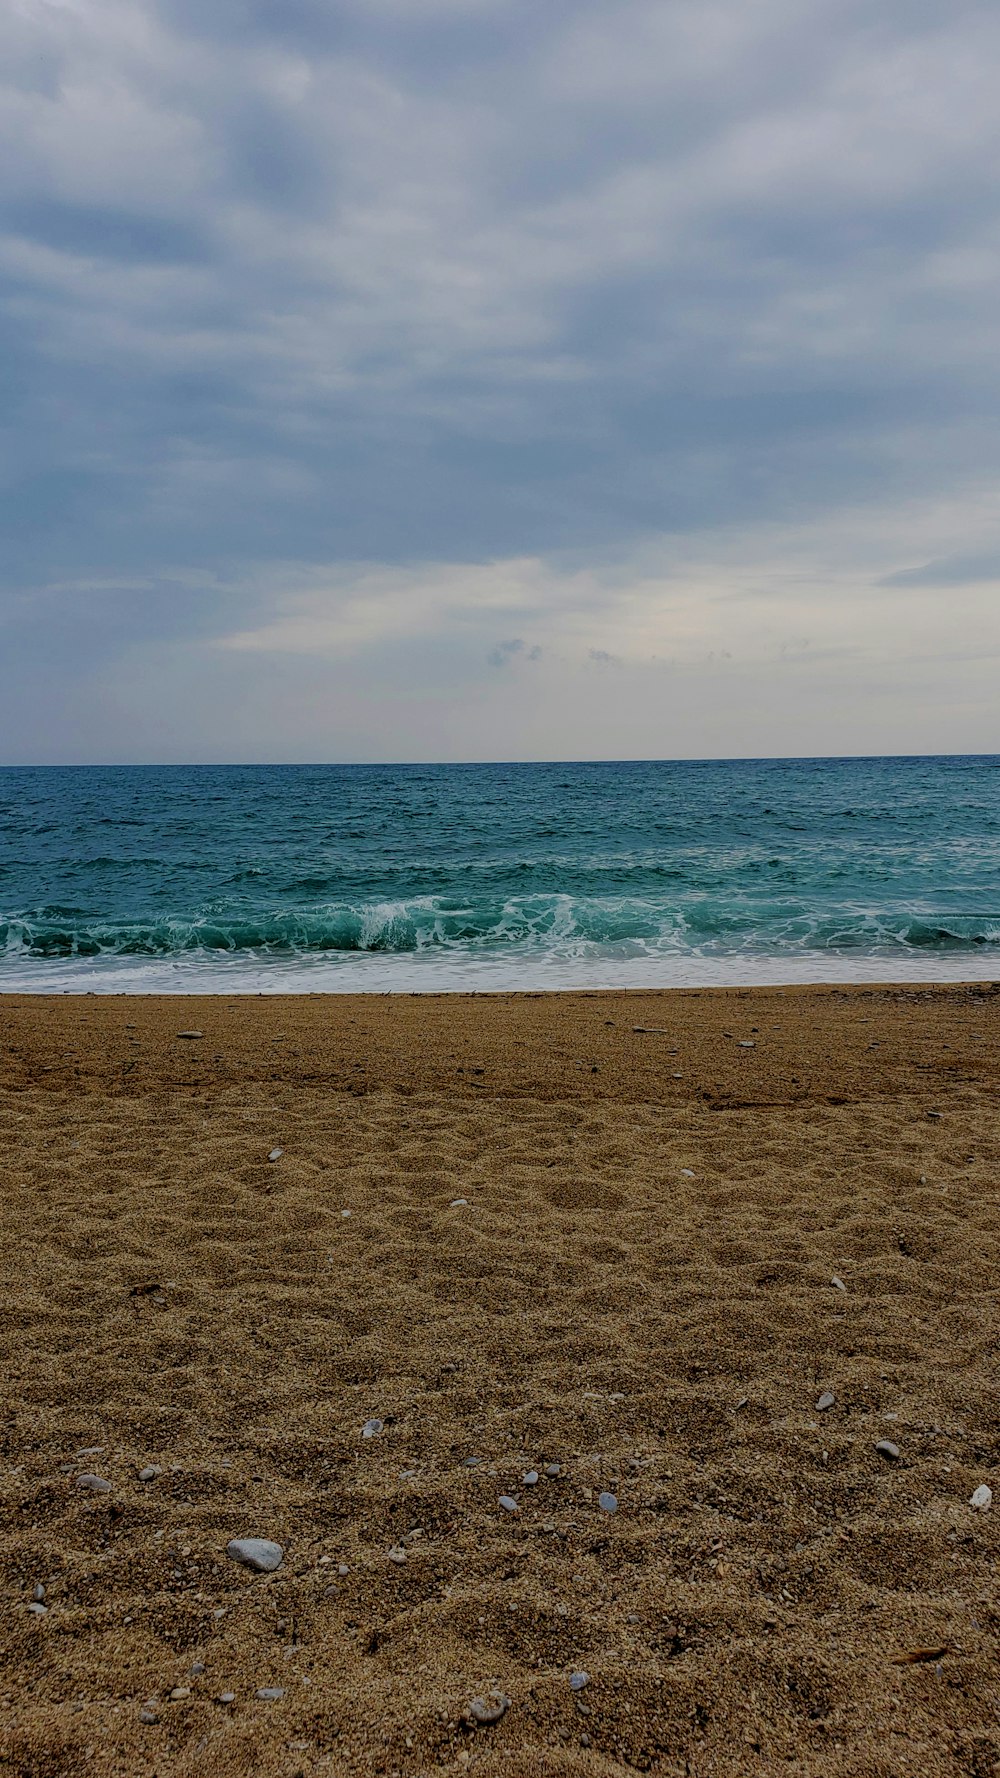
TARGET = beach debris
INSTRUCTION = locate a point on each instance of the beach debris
(743, 1402)
(397, 1554)
(577, 1681)
(372, 1428)
(94, 1484)
(888, 1450)
(485, 1713)
(530, 1479)
(191, 1034)
(553, 1469)
(509, 1504)
(275, 1154)
(650, 1031)
(912, 1655)
(147, 1716)
(747, 1043)
(982, 1499)
(270, 1692)
(934, 1114)
(608, 1502)
(838, 1283)
(257, 1553)
(150, 1473)
(825, 1401)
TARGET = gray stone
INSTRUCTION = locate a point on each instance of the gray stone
(530, 1479)
(150, 1473)
(609, 1502)
(226, 1698)
(509, 1504)
(825, 1401)
(553, 1469)
(148, 1717)
(275, 1154)
(577, 1681)
(484, 1714)
(258, 1553)
(197, 1669)
(372, 1428)
(190, 1034)
(398, 1555)
(37, 1609)
(838, 1283)
(888, 1450)
(38, 1592)
(270, 1692)
(94, 1484)
(472, 1462)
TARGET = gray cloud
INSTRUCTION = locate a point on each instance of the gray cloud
(296, 294)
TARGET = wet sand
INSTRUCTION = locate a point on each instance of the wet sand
(659, 1190)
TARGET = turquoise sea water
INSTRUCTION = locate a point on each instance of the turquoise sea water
(498, 876)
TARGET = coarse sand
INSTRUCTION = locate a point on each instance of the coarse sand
(623, 1243)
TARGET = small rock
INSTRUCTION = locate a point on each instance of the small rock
(530, 1479)
(509, 1504)
(888, 1450)
(197, 1669)
(472, 1462)
(275, 1154)
(553, 1469)
(90, 1451)
(484, 1714)
(346, 1213)
(456, 1203)
(258, 1553)
(342, 1569)
(838, 1283)
(825, 1401)
(982, 1499)
(747, 1043)
(226, 1698)
(150, 1473)
(190, 1034)
(609, 1502)
(37, 1609)
(179, 1692)
(270, 1692)
(148, 1717)
(38, 1592)
(397, 1555)
(94, 1484)
(687, 1173)
(372, 1428)
(577, 1681)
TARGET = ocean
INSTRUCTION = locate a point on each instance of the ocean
(430, 878)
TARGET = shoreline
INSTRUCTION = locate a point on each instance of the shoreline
(635, 1238)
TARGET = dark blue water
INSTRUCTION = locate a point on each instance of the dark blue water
(498, 875)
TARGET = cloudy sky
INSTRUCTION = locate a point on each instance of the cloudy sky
(454, 379)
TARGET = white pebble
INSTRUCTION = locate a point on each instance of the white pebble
(372, 1428)
(825, 1401)
(509, 1504)
(982, 1499)
(258, 1553)
(609, 1502)
(456, 1203)
(275, 1154)
(530, 1479)
(687, 1173)
(577, 1681)
(838, 1283)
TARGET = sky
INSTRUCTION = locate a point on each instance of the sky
(471, 379)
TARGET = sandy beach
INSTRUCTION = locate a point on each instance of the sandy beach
(623, 1244)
